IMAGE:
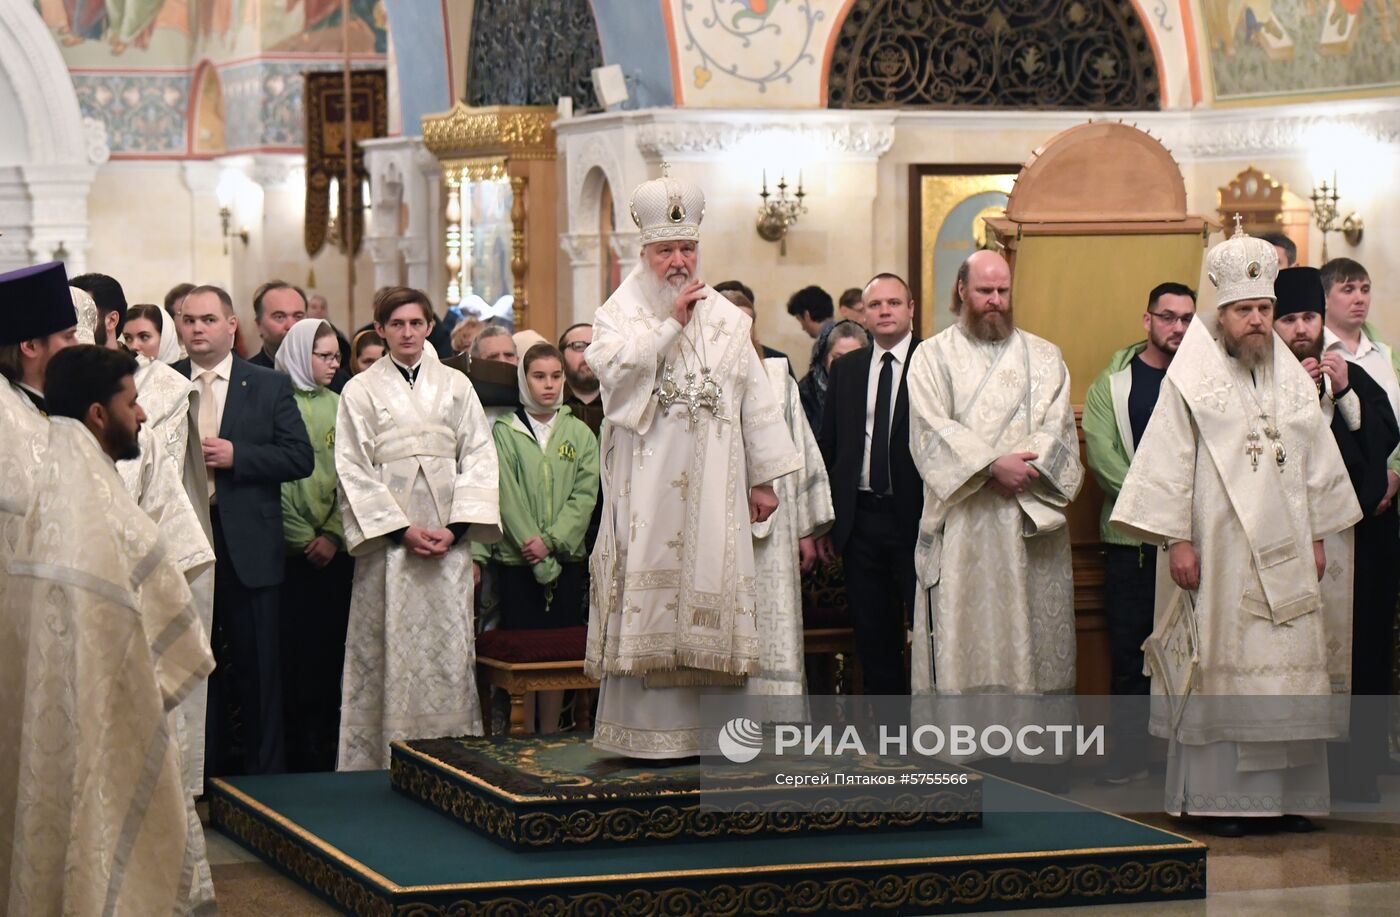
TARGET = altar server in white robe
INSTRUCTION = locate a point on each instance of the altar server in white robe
(693, 441)
(168, 481)
(784, 545)
(418, 479)
(992, 433)
(1239, 476)
(100, 629)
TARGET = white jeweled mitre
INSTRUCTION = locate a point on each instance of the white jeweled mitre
(86, 308)
(1242, 267)
(668, 209)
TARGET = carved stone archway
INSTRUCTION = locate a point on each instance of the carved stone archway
(1047, 54)
(43, 191)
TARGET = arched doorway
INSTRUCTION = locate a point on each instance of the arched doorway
(43, 206)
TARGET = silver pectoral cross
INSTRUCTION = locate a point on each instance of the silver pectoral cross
(1253, 450)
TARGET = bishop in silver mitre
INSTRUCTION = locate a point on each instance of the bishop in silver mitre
(693, 440)
(1240, 479)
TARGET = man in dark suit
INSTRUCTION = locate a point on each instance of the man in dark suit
(277, 306)
(254, 439)
(1366, 432)
(875, 488)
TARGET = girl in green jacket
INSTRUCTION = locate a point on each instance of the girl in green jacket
(316, 588)
(549, 483)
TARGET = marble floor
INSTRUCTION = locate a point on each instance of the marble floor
(1351, 866)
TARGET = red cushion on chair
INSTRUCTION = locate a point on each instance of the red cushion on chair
(555, 644)
(824, 618)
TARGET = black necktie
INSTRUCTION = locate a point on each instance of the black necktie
(880, 442)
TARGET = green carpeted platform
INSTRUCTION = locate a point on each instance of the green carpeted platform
(369, 850)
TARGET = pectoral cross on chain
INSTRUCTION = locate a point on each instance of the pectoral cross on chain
(1253, 450)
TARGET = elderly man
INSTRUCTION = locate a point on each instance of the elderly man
(694, 440)
(1240, 479)
(992, 432)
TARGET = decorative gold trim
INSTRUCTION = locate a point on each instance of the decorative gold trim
(622, 824)
(516, 131)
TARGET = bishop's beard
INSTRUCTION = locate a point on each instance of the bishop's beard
(1252, 350)
(661, 293)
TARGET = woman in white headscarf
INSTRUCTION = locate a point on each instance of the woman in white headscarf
(149, 332)
(316, 588)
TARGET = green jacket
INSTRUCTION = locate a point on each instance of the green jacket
(1108, 437)
(309, 505)
(546, 492)
(1371, 333)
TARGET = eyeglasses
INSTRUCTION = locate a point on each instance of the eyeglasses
(332, 357)
(1170, 318)
(577, 346)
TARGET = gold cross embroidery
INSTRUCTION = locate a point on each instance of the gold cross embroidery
(637, 523)
(641, 453)
(683, 482)
(720, 328)
(674, 606)
(676, 544)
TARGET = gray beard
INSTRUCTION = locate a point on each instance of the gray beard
(660, 295)
(1251, 355)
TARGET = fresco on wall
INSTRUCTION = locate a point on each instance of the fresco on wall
(133, 64)
(750, 52)
(1301, 48)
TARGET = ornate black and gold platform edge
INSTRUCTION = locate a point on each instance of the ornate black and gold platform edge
(576, 824)
(964, 884)
(489, 765)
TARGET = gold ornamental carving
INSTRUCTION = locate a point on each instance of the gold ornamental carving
(516, 131)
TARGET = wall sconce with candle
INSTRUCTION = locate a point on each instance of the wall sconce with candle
(777, 215)
(226, 191)
(1325, 214)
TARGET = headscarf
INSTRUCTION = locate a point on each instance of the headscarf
(169, 351)
(294, 356)
(527, 398)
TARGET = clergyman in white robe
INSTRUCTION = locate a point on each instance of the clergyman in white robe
(673, 604)
(995, 609)
(1249, 738)
(419, 455)
(99, 632)
(804, 511)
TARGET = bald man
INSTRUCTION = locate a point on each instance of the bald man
(992, 433)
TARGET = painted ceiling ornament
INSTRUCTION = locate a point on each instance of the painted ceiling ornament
(1242, 267)
(668, 209)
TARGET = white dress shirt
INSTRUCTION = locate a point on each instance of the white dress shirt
(872, 387)
(541, 428)
(223, 370)
(1370, 358)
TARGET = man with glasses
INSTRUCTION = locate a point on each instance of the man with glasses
(582, 396)
(1116, 412)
